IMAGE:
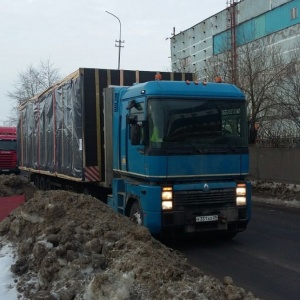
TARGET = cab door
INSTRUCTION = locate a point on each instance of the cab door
(133, 148)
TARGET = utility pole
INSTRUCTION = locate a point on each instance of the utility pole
(118, 41)
(231, 19)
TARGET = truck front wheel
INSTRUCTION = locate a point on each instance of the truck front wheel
(136, 214)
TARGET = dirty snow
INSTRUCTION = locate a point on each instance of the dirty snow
(61, 245)
(274, 193)
(8, 288)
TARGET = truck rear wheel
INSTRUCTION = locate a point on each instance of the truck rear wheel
(136, 214)
(86, 191)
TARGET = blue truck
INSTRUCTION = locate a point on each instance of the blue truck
(170, 154)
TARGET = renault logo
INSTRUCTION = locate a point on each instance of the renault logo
(206, 187)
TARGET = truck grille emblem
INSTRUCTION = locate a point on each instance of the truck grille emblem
(206, 187)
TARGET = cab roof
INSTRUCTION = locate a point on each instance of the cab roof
(185, 88)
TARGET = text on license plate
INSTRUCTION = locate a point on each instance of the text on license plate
(207, 218)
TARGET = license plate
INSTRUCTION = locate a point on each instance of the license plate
(207, 218)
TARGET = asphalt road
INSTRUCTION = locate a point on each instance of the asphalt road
(264, 259)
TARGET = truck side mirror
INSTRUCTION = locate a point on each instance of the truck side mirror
(131, 119)
(134, 104)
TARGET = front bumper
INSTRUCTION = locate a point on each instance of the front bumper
(226, 219)
(10, 171)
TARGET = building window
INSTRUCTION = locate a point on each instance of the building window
(294, 13)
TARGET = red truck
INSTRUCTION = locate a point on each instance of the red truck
(8, 150)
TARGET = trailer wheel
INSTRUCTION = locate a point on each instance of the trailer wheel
(36, 181)
(43, 183)
(136, 214)
(48, 184)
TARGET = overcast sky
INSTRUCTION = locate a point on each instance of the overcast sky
(79, 33)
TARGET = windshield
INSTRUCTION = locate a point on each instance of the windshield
(8, 145)
(202, 125)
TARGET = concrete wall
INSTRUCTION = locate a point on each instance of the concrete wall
(275, 164)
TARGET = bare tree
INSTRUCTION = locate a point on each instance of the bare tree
(260, 69)
(183, 64)
(218, 65)
(289, 100)
(30, 83)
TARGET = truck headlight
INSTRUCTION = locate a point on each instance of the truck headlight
(167, 205)
(167, 198)
(241, 193)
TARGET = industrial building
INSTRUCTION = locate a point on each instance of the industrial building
(244, 21)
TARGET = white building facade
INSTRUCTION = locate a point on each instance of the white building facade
(275, 21)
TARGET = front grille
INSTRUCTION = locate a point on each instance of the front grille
(6, 160)
(211, 198)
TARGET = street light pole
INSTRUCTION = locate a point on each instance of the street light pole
(118, 41)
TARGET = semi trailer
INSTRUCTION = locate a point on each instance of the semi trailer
(164, 149)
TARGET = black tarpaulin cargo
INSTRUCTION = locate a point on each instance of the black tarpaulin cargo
(61, 131)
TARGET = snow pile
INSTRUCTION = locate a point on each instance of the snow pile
(284, 194)
(11, 185)
(7, 283)
(72, 246)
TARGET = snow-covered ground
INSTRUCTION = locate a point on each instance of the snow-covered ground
(266, 193)
(293, 203)
(8, 257)
(279, 194)
(8, 254)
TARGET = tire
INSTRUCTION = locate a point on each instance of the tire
(86, 191)
(136, 215)
(43, 183)
(37, 181)
(48, 184)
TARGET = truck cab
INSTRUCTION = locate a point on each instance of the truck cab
(8, 150)
(181, 157)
